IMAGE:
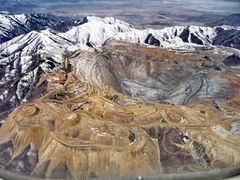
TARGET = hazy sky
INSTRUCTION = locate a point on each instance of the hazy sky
(205, 5)
(209, 5)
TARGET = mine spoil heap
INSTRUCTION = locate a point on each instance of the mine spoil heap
(127, 110)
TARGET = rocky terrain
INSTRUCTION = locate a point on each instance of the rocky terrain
(15, 25)
(102, 109)
(24, 58)
(119, 101)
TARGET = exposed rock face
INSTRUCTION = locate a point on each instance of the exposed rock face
(229, 38)
(152, 40)
(97, 120)
(232, 60)
(45, 39)
(24, 58)
(22, 65)
(165, 76)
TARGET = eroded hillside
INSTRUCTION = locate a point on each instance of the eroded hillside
(128, 110)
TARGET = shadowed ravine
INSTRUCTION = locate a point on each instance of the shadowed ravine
(128, 110)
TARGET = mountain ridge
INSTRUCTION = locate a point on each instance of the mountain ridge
(25, 57)
(119, 101)
(14, 25)
(231, 20)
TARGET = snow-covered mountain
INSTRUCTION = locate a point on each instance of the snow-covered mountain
(15, 25)
(25, 57)
(176, 36)
(180, 36)
(227, 36)
(95, 31)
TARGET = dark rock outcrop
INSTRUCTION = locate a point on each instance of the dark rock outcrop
(152, 40)
(232, 60)
(228, 38)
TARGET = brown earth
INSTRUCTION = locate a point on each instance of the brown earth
(91, 124)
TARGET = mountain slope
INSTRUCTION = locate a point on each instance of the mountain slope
(95, 31)
(171, 37)
(14, 25)
(180, 36)
(231, 20)
(228, 37)
(84, 126)
(24, 58)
